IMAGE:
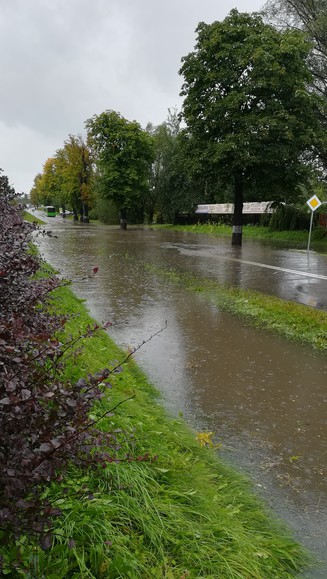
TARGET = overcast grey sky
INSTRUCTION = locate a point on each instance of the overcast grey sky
(62, 61)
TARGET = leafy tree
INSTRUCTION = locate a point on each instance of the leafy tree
(161, 170)
(5, 188)
(47, 188)
(123, 154)
(311, 17)
(172, 174)
(180, 187)
(66, 179)
(247, 107)
(35, 192)
(75, 166)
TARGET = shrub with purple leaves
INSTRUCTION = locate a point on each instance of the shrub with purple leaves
(44, 421)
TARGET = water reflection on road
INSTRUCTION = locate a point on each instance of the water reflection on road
(265, 398)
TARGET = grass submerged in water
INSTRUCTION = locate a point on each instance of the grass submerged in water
(184, 515)
(289, 319)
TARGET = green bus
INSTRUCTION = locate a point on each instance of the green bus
(50, 211)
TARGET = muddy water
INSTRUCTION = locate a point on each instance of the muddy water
(265, 398)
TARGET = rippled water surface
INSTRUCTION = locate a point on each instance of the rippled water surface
(264, 397)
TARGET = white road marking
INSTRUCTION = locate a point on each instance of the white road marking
(302, 273)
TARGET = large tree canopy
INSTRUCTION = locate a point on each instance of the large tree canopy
(75, 165)
(123, 153)
(311, 17)
(48, 186)
(247, 106)
(66, 178)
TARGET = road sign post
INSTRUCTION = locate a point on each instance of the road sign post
(313, 203)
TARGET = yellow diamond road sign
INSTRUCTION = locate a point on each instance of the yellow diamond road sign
(314, 202)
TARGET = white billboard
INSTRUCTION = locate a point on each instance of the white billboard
(252, 208)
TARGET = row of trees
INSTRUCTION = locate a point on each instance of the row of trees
(66, 179)
(139, 172)
(253, 121)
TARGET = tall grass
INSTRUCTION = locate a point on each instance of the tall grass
(182, 514)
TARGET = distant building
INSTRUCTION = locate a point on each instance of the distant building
(252, 208)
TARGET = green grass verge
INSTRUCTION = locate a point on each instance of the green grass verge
(32, 219)
(296, 238)
(184, 515)
(291, 320)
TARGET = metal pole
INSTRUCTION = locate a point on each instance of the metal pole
(309, 238)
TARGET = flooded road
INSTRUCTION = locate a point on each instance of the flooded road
(264, 398)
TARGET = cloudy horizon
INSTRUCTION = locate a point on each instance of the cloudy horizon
(64, 61)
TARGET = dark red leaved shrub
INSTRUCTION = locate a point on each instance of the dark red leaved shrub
(43, 421)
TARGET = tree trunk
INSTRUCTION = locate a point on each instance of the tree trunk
(123, 219)
(176, 218)
(238, 210)
(85, 213)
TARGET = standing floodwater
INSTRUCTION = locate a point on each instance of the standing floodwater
(264, 397)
